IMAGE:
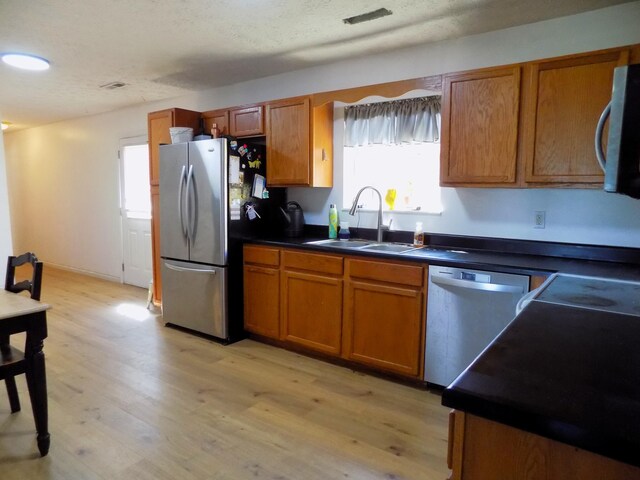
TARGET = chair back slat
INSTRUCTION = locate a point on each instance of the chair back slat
(34, 285)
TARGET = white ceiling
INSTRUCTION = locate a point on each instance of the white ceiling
(163, 48)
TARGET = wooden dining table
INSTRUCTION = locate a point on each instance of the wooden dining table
(22, 314)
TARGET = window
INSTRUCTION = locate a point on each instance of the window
(394, 147)
(136, 190)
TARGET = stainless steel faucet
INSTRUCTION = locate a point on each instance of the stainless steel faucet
(352, 210)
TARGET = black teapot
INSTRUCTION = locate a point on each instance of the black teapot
(294, 219)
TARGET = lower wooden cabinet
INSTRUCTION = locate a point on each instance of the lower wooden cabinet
(384, 316)
(480, 449)
(312, 310)
(364, 311)
(262, 291)
(312, 300)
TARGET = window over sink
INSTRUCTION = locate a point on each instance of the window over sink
(394, 146)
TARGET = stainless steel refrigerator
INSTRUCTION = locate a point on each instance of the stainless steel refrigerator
(213, 196)
(194, 235)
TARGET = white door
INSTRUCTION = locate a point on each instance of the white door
(135, 205)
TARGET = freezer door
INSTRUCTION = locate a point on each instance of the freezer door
(207, 201)
(174, 169)
(195, 297)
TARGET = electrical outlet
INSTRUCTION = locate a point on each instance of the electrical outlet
(539, 219)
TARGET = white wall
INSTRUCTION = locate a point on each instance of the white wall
(6, 248)
(65, 175)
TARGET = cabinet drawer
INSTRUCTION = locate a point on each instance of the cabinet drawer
(262, 255)
(313, 262)
(411, 275)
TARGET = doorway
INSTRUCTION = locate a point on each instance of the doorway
(135, 211)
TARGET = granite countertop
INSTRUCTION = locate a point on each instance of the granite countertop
(567, 373)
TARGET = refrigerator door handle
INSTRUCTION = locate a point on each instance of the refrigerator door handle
(185, 269)
(183, 179)
(189, 220)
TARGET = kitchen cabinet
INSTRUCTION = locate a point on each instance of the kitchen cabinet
(218, 117)
(262, 290)
(247, 121)
(370, 312)
(158, 131)
(480, 449)
(527, 125)
(479, 142)
(312, 287)
(299, 143)
(385, 315)
(564, 100)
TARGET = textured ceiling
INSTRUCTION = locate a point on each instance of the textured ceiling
(162, 49)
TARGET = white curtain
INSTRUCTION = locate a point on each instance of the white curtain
(392, 123)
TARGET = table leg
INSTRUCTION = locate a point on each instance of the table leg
(37, 383)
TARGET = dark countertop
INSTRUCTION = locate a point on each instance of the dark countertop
(500, 255)
(566, 373)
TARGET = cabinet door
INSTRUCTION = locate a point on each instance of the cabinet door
(312, 311)
(159, 124)
(247, 122)
(155, 243)
(220, 118)
(262, 301)
(480, 127)
(564, 102)
(288, 150)
(383, 326)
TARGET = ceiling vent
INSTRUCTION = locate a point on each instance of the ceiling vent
(367, 17)
(113, 85)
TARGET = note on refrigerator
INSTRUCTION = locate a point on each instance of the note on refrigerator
(234, 170)
(259, 183)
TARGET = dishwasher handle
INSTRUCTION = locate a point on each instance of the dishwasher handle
(485, 287)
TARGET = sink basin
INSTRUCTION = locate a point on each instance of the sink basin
(389, 247)
(341, 243)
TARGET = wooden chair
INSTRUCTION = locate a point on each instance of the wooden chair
(12, 360)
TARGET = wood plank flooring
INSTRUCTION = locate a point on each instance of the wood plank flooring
(132, 399)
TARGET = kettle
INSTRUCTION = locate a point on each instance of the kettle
(294, 219)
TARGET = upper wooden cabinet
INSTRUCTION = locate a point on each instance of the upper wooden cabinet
(563, 102)
(480, 127)
(530, 124)
(247, 121)
(158, 125)
(218, 117)
(299, 143)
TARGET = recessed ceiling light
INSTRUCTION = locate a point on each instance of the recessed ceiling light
(25, 61)
(5, 125)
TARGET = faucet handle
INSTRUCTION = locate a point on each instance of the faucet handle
(387, 227)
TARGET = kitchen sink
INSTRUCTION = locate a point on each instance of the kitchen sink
(341, 243)
(389, 247)
(365, 245)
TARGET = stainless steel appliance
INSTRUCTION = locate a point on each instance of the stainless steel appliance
(212, 193)
(193, 235)
(466, 310)
(622, 164)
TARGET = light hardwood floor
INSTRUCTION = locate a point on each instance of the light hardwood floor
(132, 399)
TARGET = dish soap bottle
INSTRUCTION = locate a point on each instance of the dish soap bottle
(418, 235)
(333, 221)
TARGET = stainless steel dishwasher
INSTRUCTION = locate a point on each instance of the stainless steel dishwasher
(466, 310)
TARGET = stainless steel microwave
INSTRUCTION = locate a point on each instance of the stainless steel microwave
(621, 164)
